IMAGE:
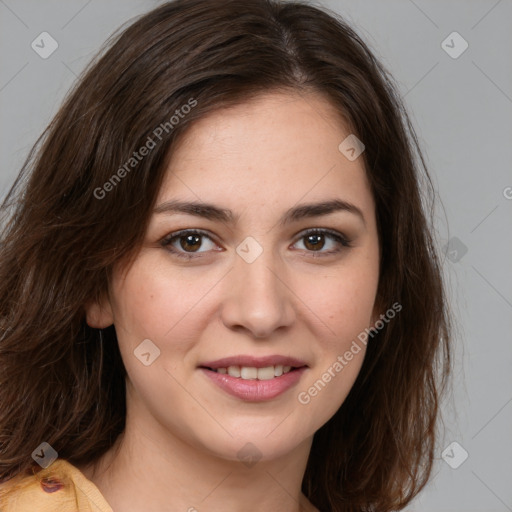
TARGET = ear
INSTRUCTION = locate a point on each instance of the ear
(99, 314)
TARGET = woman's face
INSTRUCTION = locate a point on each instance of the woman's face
(248, 287)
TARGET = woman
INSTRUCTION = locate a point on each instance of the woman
(220, 288)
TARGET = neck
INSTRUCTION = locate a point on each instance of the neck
(153, 471)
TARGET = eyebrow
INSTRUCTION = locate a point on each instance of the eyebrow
(216, 213)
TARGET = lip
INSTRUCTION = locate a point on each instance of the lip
(255, 390)
(254, 362)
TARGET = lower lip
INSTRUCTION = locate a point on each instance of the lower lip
(255, 390)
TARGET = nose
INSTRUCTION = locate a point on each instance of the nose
(257, 297)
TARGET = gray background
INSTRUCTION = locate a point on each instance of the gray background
(462, 110)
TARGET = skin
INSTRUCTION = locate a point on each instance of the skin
(179, 449)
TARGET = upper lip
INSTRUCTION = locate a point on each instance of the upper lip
(254, 362)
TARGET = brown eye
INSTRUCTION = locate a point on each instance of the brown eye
(315, 240)
(190, 242)
(186, 244)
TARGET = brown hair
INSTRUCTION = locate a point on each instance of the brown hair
(63, 382)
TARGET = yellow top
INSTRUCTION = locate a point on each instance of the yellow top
(60, 487)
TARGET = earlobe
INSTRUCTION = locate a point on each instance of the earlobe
(99, 314)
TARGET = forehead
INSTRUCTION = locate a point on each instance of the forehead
(278, 147)
(284, 120)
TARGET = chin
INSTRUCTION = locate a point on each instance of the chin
(255, 439)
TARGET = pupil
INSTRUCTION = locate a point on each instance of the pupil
(317, 239)
(194, 241)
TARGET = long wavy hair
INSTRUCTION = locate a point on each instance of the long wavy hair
(63, 382)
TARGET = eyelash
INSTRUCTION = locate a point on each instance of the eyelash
(338, 237)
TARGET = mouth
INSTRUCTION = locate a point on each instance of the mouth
(254, 379)
(254, 373)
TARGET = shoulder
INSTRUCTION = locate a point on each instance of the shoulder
(61, 487)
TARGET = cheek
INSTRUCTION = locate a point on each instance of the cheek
(167, 307)
(343, 303)
(340, 352)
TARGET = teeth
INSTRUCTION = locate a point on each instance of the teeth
(266, 373)
(248, 373)
(251, 373)
(234, 371)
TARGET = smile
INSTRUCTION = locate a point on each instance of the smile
(254, 379)
(253, 373)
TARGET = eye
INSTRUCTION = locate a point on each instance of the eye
(186, 242)
(317, 239)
